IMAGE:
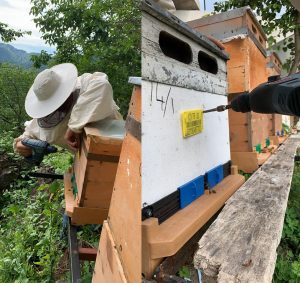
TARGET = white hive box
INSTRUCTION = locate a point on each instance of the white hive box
(181, 70)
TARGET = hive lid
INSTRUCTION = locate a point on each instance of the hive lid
(166, 17)
(107, 129)
(135, 80)
(225, 16)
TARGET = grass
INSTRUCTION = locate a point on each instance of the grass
(288, 260)
(32, 248)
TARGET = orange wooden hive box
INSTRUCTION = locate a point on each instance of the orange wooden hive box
(245, 41)
(276, 132)
(89, 185)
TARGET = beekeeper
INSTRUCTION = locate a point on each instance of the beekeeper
(61, 104)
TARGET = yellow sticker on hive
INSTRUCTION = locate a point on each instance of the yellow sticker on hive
(192, 122)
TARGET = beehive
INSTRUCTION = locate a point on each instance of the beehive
(245, 41)
(90, 183)
(276, 132)
(183, 73)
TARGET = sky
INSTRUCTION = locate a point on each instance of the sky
(15, 13)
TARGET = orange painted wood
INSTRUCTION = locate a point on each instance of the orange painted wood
(108, 267)
(85, 215)
(81, 215)
(283, 139)
(249, 162)
(125, 209)
(238, 118)
(104, 146)
(262, 157)
(260, 132)
(87, 254)
(94, 178)
(135, 104)
(275, 140)
(79, 169)
(70, 202)
(167, 238)
(246, 69)
(274, 67)
(277, 124)
(238, 137)
(238, 80)
(124, 219)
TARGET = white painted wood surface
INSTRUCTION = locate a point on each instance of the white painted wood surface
(169, 87)
(158, 67)
(240, 246)
(169, 160)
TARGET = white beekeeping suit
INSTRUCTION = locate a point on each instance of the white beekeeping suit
(93, 102)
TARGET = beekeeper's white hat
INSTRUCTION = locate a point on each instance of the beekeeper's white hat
(50, 90)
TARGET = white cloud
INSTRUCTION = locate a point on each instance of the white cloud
(16, 15)
(4, 3)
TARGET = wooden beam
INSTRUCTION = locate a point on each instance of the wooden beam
(88, 254)
(241, 244)
(166, 239)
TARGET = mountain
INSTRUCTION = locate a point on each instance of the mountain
(10, 54)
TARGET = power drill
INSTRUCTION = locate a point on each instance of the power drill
(39, 150)
(281, 96)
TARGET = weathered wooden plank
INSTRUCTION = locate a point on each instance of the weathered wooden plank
(164, 16)
(155, 70)
(152, 28)
(241, 245)
(108, 267)
(158, 67)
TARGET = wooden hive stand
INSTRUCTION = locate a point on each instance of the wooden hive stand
(89, 184)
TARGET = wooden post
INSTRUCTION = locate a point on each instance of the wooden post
(241, 244)
(119, 253)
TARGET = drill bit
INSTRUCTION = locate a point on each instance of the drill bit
(218, 109)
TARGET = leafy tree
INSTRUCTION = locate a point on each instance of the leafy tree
(95, 36)
(268, 9)
(14, 85)
(7, 34)
(41, 59)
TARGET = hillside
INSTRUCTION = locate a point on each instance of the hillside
(10, 54)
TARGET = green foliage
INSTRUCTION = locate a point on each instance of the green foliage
(6, 142)
(184, 272)
(7, 34)
(41, 59)
(286, 128)
(95, 36)
(61, 160)
(246, 175)
(269, 10)
(14, 85)
(30, 246)
(31, 214)
(288, 260)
